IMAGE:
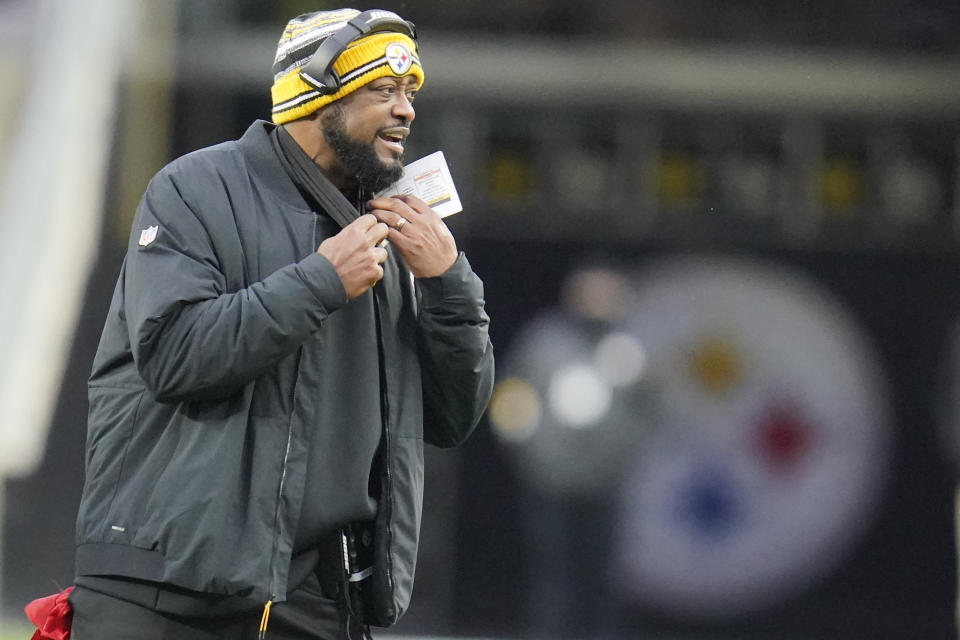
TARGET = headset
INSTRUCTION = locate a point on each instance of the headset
(319, 73)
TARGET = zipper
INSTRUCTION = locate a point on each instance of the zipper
(265, 618)
(387, 489)
(276, 514)
(262, 631)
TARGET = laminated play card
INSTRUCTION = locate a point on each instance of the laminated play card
(429, 179)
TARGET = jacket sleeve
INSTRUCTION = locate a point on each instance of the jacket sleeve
(191, 338)
(455, 353)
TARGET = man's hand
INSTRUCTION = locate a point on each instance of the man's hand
(424, 241)
(355, 255)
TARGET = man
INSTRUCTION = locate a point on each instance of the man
(270, 367)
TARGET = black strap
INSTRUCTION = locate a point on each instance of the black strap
(308, 177)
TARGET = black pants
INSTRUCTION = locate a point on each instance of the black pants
(306, 615)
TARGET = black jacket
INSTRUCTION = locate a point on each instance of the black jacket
(231, 355)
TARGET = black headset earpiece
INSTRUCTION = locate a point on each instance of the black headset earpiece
(319, 73)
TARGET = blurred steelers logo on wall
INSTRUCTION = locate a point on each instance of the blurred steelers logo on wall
(732, 407)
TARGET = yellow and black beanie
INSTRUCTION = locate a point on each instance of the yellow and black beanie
(367, 58)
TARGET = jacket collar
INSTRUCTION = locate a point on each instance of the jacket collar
(264, 164)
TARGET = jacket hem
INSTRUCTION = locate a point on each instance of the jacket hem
(113, 559)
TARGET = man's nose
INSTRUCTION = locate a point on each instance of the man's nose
(403, 108)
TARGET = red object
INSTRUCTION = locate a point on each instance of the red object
(784, 437)
(52, 615)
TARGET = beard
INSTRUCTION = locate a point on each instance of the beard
(359, 158)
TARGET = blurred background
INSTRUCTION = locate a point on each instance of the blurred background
(720, 242)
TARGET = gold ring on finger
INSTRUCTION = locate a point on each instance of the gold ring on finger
(402, 221)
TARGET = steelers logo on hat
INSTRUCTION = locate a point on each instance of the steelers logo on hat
(399, 58)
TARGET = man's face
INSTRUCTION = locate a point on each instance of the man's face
(367, 129)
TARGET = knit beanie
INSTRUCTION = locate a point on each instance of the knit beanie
(384, 53)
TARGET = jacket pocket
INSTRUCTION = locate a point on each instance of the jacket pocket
(112, 422)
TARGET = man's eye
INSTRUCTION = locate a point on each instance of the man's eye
(411, 96)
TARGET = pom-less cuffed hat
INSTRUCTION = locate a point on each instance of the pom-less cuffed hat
(384, 53)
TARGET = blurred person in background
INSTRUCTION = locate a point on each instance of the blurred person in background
(270, 367)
